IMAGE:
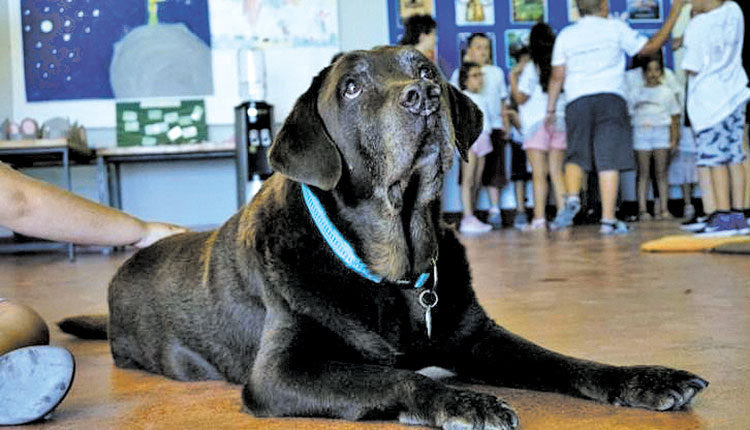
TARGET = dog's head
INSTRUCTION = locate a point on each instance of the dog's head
(380, 127)
(377, 114)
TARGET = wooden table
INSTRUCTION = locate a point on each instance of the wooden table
(108, 161)
(43, 152)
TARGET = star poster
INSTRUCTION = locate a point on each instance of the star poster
(69, 46)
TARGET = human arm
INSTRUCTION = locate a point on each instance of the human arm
(660, 38)
(35, 208)
(556, 81)
(519, 96)
(674, 133)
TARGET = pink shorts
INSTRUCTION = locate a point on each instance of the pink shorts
(482, 146)
(545, 141)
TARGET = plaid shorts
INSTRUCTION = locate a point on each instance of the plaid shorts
(721, 144)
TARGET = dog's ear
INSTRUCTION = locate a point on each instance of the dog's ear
(467, 120)
(303, 150)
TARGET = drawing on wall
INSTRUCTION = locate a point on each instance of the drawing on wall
(407, 8)
(475, 12)
(573, 14)
(644, 10)
(463, 45)
(258, 23)
(515, 39)
(78, 49)
(528, 10)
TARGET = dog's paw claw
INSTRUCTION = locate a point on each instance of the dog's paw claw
(466, 410)
(657, 388)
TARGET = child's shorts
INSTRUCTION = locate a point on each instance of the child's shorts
(683, 168)
(650, 138)
(482, 146)
(599, 133)
(722, 143)
(518, 165)
(543, 140)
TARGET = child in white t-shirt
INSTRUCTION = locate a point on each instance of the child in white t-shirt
(716, 102)
(655, 115)
(470, 80)
(588, 60)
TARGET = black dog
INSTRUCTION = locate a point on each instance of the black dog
(326, 294)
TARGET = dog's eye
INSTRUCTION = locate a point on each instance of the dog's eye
(426, 73)
(353, 90)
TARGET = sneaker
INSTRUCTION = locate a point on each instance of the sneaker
(33, 381)
(495, 220)
(564, 218)
(721, 224)
(740, 223)
(520, 222)
(614, 227)
(536, 224)
(695, 223)
(689, 212)
(471, 225)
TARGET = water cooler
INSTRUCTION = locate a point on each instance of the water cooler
(253, 122)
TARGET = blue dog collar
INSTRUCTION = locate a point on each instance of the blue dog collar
(339, 245)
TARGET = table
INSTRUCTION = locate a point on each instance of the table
(108, 161)
(43, 152)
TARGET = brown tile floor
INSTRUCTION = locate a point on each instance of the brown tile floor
(578, 293)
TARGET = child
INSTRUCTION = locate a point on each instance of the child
(656, 126)
(546, 148)
(470, 80)
(716, 103)
(683, 171)
(589, 59)
(519, 172)
(495, 92)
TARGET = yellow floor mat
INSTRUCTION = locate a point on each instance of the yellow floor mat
(689, 243)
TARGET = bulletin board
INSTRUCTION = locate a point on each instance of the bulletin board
(508, 21)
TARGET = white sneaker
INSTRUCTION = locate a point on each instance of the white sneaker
(689, 212)
(471, 225)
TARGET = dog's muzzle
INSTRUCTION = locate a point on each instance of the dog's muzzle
(421, 98)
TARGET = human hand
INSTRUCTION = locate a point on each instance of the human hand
(676, 43)
(550, 121)
(155, 231)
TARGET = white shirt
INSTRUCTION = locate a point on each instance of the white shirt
(653, 106)
(494, 90)
(481, 102)
(635, 80)
(593, 52)
(533, 111)
(713, 50)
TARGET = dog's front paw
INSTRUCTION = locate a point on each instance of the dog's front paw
(465, 410)
(654, 387)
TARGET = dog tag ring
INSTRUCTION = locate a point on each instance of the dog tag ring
(428, 299)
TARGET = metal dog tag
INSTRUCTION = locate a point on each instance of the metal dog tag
(428, 299)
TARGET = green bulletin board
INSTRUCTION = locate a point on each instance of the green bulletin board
(149, 124)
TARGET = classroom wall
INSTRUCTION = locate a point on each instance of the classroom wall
(196, 194)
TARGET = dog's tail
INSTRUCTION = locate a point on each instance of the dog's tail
(86, 326)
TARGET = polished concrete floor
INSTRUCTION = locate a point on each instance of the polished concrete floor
(575, 292)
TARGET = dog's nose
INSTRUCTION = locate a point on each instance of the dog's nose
(421, 98)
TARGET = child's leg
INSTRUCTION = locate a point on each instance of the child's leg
(644, 164)
(661, 161)
(468, 181)
(737, 181)
(539, 181)
(609, 181)
(720, 187)
(556, 175)
(707, 190)
(746, 163)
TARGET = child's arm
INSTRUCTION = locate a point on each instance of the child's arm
(674, 133)
(515, 73)
(553, 92)
(657, 40)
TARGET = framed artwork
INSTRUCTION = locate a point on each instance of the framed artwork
(514, 38)
(80, 49)
(407, 8)
(530, 11)
(573, 14)
(644, 10)
(463, 44)
(475, 12)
